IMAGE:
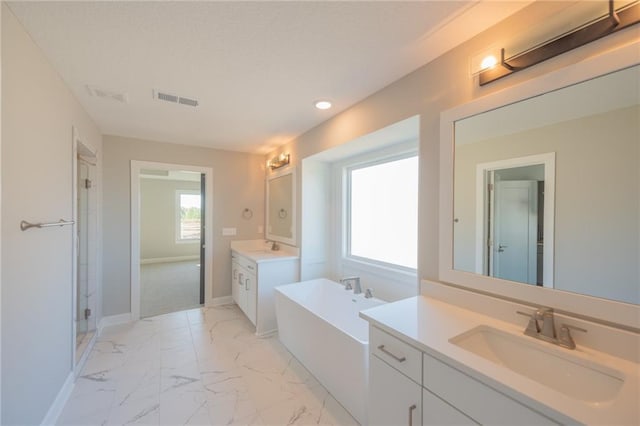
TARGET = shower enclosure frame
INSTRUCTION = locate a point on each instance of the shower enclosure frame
(80, 148)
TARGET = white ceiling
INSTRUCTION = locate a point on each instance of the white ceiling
(256, 68)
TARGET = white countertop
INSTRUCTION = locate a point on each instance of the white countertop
(260, 251)
(428, 324)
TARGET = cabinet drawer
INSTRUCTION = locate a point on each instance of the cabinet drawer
(478, 401)
(396, 353)
(249, 265)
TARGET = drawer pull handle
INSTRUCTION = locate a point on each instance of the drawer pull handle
(413, 407)
(391, 354)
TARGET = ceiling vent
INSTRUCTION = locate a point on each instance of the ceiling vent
(108, 94)
(162, 96)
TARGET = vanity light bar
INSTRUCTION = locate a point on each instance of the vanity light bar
(613, 22)
(279, 161)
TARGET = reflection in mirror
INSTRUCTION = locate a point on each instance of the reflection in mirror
(547, 190)
(280, 208)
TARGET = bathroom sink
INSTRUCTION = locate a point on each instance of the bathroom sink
(548, 365)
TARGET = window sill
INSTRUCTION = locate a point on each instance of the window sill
(402, 276)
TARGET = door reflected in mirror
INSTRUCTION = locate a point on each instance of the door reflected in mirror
(547, 190)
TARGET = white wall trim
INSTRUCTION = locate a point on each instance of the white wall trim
(113, 320)
(85, 355)
(136, 167)
(168, 259)
(61, 399)
(220, 301)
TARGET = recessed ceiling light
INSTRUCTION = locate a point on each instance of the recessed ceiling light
(323, 104)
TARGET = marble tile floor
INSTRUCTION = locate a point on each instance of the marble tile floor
(199, 367)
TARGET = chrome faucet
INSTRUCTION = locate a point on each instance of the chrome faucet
(541, 326)
(368, 294)
(274, 245)
(357, 288)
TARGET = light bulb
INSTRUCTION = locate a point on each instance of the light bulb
(488, 62)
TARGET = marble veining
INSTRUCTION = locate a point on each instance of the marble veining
(198, 367)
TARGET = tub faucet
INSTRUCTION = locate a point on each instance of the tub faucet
(357, 288)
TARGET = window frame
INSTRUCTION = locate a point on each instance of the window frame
(342, 175)
(178, 217)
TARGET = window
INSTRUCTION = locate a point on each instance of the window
(188, 216)
(382, 212)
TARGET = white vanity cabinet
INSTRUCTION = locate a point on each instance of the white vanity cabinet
(252, 286)
(409, 387)
(394, 399)
(244, 286)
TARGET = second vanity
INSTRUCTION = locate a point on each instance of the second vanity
(256, 270)
(435, 363)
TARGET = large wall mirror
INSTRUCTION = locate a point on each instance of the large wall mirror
(281, 206)
(546, 188)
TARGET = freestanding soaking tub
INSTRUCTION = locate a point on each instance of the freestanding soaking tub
(318, 322)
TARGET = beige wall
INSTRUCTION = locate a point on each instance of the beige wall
(38, 112)
(442, 84)
(238, 183)
(158, 219)
(596, 219)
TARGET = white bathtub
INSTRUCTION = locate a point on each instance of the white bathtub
(318, 322)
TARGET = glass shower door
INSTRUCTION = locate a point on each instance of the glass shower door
(82, 261)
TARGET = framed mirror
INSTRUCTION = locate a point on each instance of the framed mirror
(281, 207)
(540, 190)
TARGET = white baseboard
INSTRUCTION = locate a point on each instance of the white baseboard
(113, 320)
(61, 399)
(85, 355)
(268, 333)
(219, 301)
(168, 259)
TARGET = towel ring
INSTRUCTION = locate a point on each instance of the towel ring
(247, 213)
(282, 213)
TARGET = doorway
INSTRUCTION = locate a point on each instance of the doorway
(171, 222)
(515, 219)
(170, 267)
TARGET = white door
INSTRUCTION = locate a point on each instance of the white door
(515, 225)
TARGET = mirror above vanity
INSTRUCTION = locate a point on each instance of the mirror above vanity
(281, 213)
(540, 190)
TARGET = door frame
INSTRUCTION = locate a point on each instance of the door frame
(482, 203)
(136, 167)
(79, 147)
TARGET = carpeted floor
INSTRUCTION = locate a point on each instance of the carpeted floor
(169, 287)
